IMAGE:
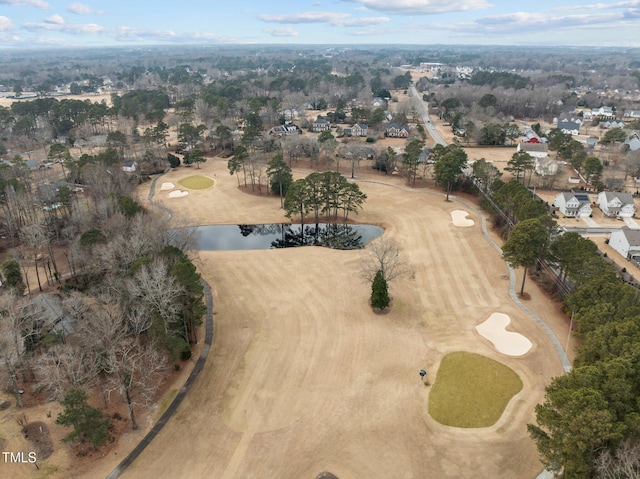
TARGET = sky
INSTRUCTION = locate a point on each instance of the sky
(51, 23)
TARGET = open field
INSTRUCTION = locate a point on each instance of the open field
(303, 377)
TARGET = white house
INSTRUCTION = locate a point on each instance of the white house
(359, 129)
(536, 149)
(546, 166)
(569, 127)
(620, 205)
(633, 142)
(129, 166)
(632, 114)
(613, 124)
(603, 112)
(284, 130)
(573, 205)
(626, 242)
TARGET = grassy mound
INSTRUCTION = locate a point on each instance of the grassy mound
(471, 390)
(196, 182)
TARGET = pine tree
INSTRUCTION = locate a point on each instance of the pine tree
(87, 422)
(379, 292)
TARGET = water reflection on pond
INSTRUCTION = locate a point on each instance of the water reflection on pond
(267, 236)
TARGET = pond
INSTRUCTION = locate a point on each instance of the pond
(280, 235)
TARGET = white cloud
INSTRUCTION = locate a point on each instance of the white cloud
(81, 9)
(123, 33)
(331, 18)
(362, 22)
(28, 3)
(281, 32)
(73, 29)
(599, 6)
(523, 21)
(305, 17)
(5, 24)
(423, 7)
(55, 19)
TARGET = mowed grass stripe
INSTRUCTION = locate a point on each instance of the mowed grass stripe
(471, 390)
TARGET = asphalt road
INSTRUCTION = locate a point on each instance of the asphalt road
(416, 98)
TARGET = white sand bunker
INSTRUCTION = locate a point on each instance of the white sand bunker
(167, 185)
(506, 342)
(178, 194)
(459, 218)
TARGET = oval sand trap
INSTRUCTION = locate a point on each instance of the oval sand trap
(506, 342)
(167, 185)
(178, 194)
(459, 218)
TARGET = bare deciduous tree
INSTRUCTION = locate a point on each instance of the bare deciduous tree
(133, 369)
(385, 255)
(153, 293)
(64, 366)
(624, 463)
(15, 328)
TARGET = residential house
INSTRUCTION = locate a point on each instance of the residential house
(320, 125)
(49, 315)
(357, 130)
(284, 130)
(613, 124)
(129, 166)
(546, 166)
(626, 241)
(569, 127)
(290, 114)
(534, 147)
(603, 113)
(613, 184)
(632, 114)
(632, 143)
(396, 131)
(592, 141)
(573, 205)
(529, 134)
(615, 204)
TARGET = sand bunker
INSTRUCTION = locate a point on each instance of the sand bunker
(167, 185)
(506, 342)
(178, 194)
(459, 218)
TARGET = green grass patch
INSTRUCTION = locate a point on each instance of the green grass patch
(471, 390)
(46, 470)
(196, 182)
(166, 401)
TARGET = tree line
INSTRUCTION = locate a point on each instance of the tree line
(588, 424)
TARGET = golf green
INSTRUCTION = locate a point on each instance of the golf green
(196, 182)
(471, 390)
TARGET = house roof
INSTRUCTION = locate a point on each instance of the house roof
(361, 126)
(625, 198)
(321, 121)
(394, 126)
(568, 125)
(581, 197)
(527, 146)
(632, 236)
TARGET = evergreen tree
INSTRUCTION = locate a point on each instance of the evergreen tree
(379, 292)
(13, 276)
(88, 422)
